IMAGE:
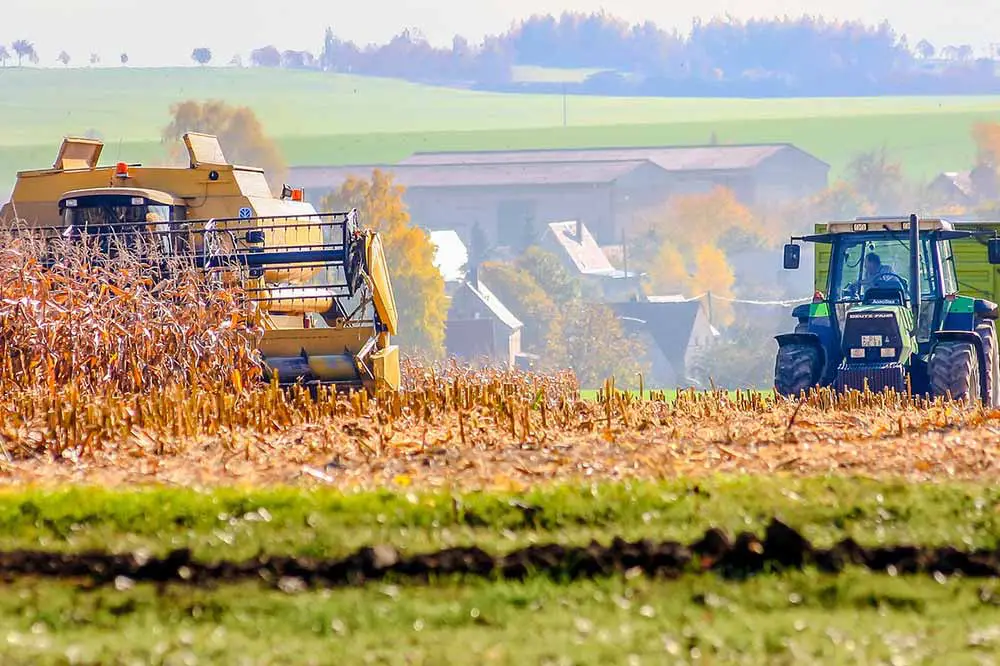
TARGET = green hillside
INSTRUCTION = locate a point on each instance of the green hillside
(334, 119)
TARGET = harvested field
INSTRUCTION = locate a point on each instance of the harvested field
(494, 431)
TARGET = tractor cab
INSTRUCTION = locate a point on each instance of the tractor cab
(892, 315)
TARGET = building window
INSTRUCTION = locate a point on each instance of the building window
(516, 223)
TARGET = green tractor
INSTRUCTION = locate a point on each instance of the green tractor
(892, 316)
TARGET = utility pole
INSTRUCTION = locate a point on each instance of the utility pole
(564, 103)
(624, 257)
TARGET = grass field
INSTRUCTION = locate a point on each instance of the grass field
(778, 618)
(789, 619)
(338, 119)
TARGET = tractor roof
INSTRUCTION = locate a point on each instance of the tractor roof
(863, 224)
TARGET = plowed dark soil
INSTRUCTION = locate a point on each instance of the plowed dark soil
(781, 548)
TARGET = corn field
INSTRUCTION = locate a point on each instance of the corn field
(111, 374)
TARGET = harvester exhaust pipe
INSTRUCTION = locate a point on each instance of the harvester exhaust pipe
(915, 266)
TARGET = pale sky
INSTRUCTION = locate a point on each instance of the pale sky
(164, 33)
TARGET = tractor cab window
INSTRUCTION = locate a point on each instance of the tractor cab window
(949, 276)
(864, 261)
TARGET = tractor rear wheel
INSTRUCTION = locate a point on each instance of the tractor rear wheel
(796, 369)
(954, 367)
(988, 334)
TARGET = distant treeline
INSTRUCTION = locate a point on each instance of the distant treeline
(804, 56)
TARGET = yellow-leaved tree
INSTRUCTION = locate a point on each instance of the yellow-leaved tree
(668, 270)
(713, 275)
(416, 282)
(986, 136)
(682, 244)
(239, 131)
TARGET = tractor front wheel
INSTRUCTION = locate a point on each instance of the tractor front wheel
(954, 367)
(796, 369)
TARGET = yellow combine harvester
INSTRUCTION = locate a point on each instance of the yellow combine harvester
(320, 283)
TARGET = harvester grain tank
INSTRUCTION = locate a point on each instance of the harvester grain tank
(889, 313)
(319, 281)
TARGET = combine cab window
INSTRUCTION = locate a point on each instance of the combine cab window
(123, 222)
(865, 260)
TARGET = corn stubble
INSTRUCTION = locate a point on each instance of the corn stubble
(110, 374)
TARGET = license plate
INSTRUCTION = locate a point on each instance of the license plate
(871, 340)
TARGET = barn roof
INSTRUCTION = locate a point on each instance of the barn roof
(471, 175)
(670, 158)
(584, 253)
(499, 310)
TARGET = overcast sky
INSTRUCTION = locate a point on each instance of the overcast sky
(160, 33)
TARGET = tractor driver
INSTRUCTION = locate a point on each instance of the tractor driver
(874, 269)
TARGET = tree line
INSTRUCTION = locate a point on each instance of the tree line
(803, 56)
(761, 57)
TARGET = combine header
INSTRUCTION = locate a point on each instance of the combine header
(892, 315)
(319, 282)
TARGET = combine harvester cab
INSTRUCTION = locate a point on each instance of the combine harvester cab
(320, 283)
(888, 313)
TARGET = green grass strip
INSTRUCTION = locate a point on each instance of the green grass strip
(790, 619)
(234, 523)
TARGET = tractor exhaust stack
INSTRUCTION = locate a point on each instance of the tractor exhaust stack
(915, 266)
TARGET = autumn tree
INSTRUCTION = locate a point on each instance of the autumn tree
(239, 131)
(694, 219)
(520, 292)
(683, 244)
(202, 55)
(877, 178)
(550, 274)
(416, 282)
(714, 277)
(589, 339)
(986, 136)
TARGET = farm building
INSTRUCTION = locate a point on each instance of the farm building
(965, 188)
(580, 254)
(480, 327)
(673, 331)
(514, 194)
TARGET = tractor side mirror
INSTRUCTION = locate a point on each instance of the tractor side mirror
(993, 249)
(792, 255)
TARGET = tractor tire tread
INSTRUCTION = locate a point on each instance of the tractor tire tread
(796, 369)
(954, 367)
(988, 334)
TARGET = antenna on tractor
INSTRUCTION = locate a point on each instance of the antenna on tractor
(915, 266)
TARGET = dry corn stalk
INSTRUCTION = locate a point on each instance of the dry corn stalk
(117, 325)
